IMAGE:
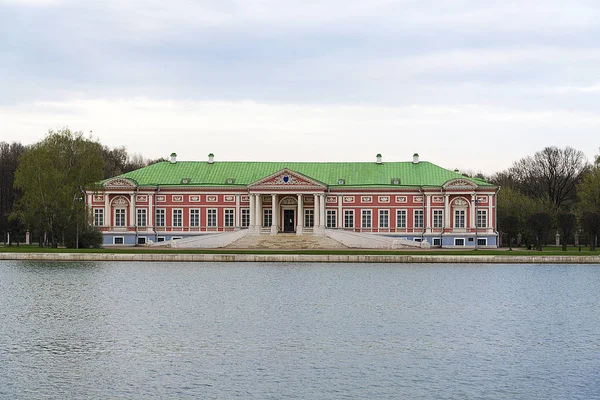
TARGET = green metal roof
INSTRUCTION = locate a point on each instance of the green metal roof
(354, 174)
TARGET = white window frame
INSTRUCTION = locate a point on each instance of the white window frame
(349, 219)
(122, 238)
(418, 218)
(267, 217)
(98, 216)
(438, 218)
(366, 218)
(212, 218)
(120, 217)
(481, 218)
(384, 216)
(229, 217)
(141, 217)
(177, 217)
(437, 241)
(483, 241)
(331, 218)
(141, 240)
(245, 222)
(401, 217)
(309, 218)
(160, 217)
(194, 217)
(457, 239)
(460, 218)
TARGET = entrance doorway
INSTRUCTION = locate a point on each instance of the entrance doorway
(288, 220)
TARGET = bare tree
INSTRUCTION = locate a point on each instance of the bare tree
(550, 175)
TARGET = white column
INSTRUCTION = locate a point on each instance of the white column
(340, 221)
(300, 215)
(237, 212)
(323, 219)
(252, 226)
(427, 215)
(447, 211)
(472, 211)
(275, 215)
(490, 212)
(132, 220)
(316, 212)
(150, 211)
(106, 210)
(259, 217)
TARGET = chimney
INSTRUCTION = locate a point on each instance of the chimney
(379, 159)
(211, 158)
(457, 170)
(173, 158)
(415, 158)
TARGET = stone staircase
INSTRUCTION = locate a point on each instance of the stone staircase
(285, 241)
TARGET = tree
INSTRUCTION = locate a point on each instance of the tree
(550, 175)
(51, 176)
(590, 222)
(514, 208)
(589, 189)
(9, 161)
(540, 223)
(566, 222)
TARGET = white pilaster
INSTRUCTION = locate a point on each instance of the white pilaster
(323, 219)
(300, 215)
(427, 214)
(316, 212)
(472, 211)
(237, 212)
(275, 215)
(106, 210)
(132, 221)
(490, 213)
(447, 211)
(150, 210)
(259, 216)
(340, 218)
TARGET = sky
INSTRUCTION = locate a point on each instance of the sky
(468, 84)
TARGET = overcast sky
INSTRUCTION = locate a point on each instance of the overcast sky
(467, 84)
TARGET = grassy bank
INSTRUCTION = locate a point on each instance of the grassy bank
(547, 251)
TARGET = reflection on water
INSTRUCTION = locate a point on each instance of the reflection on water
(306, 331)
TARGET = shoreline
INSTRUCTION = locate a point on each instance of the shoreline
(300, 258)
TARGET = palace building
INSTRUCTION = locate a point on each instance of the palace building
(413, 202)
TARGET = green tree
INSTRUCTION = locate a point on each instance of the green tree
(540, 223)
(514, 208)
(590, 222)
(566, 222)
(51, 176)
(9, 161)
(589, 189)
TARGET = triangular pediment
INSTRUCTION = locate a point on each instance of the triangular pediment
(286, 178)
(459, 183)
(120, 183)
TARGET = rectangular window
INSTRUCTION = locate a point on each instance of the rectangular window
(119, 217)
(438, 218)
(384, 218)
(229, 217)
(331, 218)
(141, 240)
(267, 217)
(481, 218)
(348, 218)
(459, 218)
(366, 218)
(459, 242)
(118, 240)
(481, 242)
(141, 217)
(437, 242)
(401, 219)
(309, 218)
(177, 217)
(160, 217)
(195, 217)
(418, 219)
(211, 217)
(245, 217)
(98, 217)
(160, 239)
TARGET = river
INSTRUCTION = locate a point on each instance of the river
(298, 331)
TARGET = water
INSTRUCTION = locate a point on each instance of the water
(299, 331)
